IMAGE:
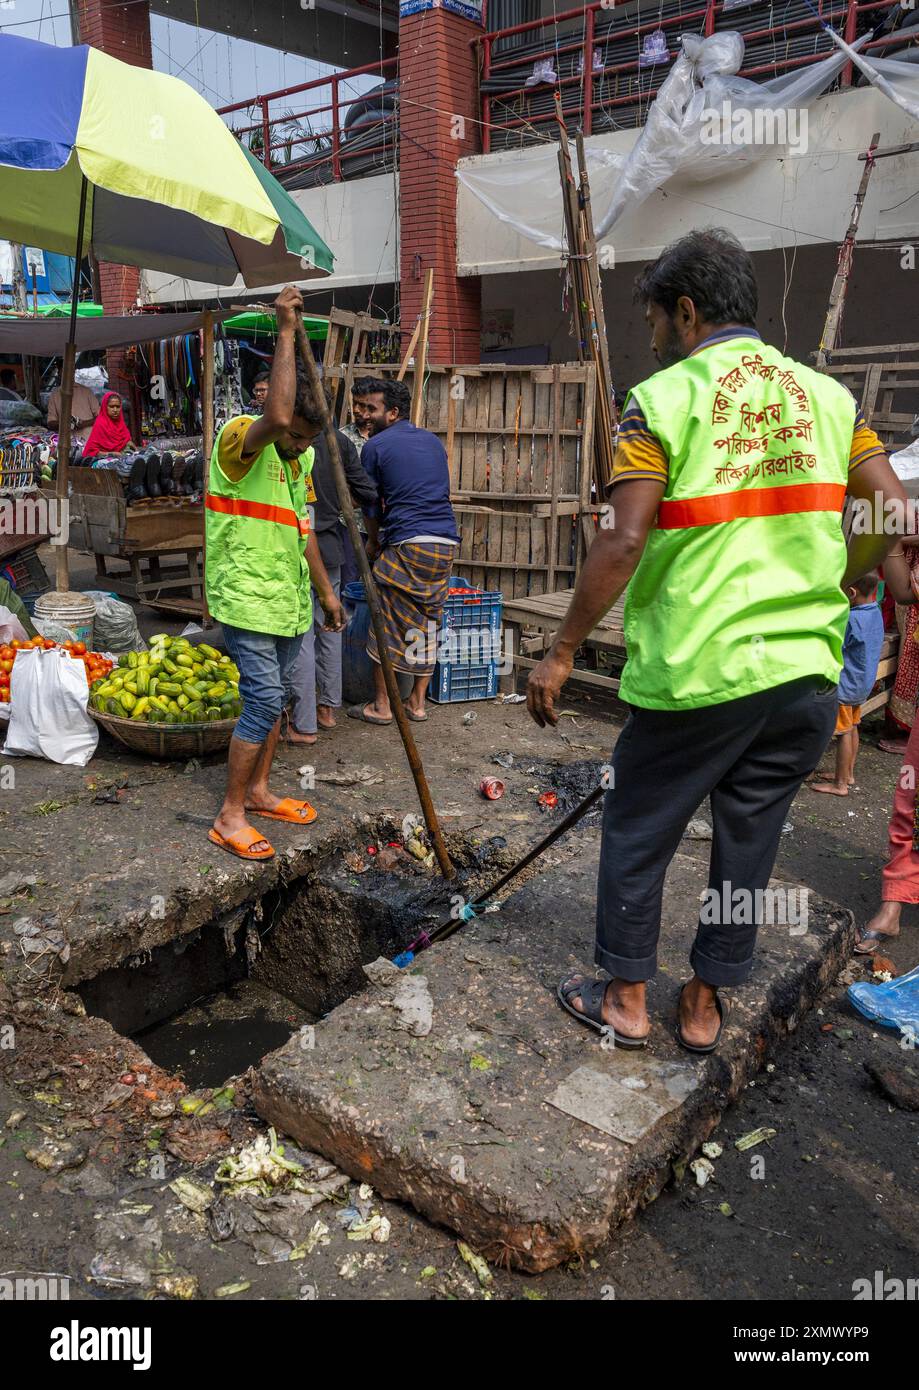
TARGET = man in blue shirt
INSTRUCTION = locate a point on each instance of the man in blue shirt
(412, 538)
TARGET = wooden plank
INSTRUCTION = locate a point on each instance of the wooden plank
(421, 363)
(554, 449)
(479, 390)
(497, 548)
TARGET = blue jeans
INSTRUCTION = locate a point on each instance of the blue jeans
(265, 667)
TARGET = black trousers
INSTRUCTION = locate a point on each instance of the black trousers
(749, 756)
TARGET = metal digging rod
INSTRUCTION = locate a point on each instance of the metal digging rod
(470, 910)
(373, 601)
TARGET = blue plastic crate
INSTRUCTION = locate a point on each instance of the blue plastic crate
(471, 624)
(452, 683)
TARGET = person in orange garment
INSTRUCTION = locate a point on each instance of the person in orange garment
(900, 875)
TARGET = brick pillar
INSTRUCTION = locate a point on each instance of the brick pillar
(438, 114)
(123, 31)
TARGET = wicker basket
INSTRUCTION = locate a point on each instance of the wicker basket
(167, 740)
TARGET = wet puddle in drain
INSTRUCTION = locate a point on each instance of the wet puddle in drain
(224, 1033)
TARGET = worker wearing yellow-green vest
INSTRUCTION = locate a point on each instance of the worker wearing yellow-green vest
(724, 518)
(261, 560)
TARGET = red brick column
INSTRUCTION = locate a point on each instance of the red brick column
(438, 114)
(123, 31)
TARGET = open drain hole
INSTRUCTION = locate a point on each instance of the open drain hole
(215, 1001)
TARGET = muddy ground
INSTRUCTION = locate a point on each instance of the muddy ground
(834, 1198)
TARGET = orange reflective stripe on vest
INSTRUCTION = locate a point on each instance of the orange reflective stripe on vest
(259, 511)
(747, 502)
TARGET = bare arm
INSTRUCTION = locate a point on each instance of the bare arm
(319, 578)
(282, 389)
(879, 519)
(611, 561)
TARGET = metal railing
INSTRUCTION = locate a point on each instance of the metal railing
(609, 61)
(345, 128)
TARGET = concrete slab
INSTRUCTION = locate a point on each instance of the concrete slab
(507, 1121)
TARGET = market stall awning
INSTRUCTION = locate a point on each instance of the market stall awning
(47, 337)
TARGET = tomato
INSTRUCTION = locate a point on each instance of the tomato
(36, 641)
(47, 644)
(16, 644)
(6, 652)
(6, 666)
(78, 648)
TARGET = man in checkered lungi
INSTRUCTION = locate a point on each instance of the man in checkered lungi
(412, 538)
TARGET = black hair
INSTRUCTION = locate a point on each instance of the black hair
(396, 395)
(305, 403)
(711, 268)
(7, 376)
(262, 376)
(366, 386)
(866, 583)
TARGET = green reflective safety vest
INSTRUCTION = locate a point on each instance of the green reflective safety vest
(256, 572)
(738, 588)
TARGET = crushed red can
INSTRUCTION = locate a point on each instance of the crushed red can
(548, 801)
(492, 788)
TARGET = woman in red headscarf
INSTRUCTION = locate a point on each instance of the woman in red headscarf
(109, 434)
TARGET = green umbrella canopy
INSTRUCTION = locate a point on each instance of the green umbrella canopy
(254, 321)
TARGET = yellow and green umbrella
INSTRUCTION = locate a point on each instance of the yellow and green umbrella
(167, 186)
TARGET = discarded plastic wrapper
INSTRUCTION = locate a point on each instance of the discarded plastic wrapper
(892, 1005)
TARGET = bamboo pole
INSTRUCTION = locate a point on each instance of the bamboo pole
(373, 603)
(422, 361)
(207, 435)
(67, 370)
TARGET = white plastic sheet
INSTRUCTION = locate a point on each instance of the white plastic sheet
(704, 77)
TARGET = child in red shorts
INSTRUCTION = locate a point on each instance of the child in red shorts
(861, 652)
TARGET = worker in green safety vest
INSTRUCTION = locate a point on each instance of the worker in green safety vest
(732, 466)
(261, 561)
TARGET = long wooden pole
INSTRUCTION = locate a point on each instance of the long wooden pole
(207, 434)
(373, 603)
(844, 264)
(421, 362)
(67, 370)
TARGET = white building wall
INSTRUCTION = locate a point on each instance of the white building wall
(357, 220)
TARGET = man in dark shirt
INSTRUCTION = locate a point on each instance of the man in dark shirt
(319, 662)
(415, 550)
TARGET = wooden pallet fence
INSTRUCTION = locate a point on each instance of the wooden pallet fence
(520, 445)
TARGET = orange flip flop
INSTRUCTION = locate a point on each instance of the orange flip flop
(241, 843)
(294, 812)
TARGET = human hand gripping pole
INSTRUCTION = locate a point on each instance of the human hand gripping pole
(373, 603)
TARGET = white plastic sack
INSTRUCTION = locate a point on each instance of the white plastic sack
(11, 629)
(905, 462)
(48, 718)
(115, 627)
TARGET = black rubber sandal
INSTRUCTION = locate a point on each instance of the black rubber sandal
(591, 993)
(873, 940)
(706, 1047)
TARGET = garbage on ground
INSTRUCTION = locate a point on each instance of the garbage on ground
(504, 760)
(893, 1004)
(698, 829)
(129, 1251)
(263, 1167)
(227, 1290)
(703, 1170)
(477, 1265)
(712, 1150)
(413, 1004)
(492, 788)
(350, 777)
(548, 801)
(193, 1195)
(53, 1156)
(754, 1137)
(469, 717)
(511, 699)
